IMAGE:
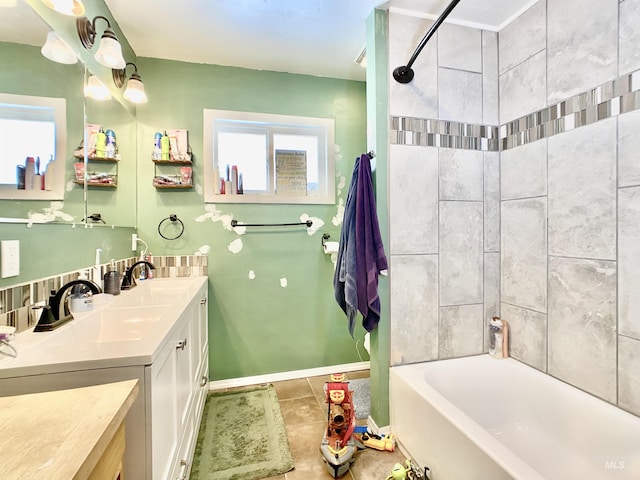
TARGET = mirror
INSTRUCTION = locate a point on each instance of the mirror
(26, 72)
(115, 204)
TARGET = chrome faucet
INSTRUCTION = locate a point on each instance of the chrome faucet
(57, 313)
(128, 280)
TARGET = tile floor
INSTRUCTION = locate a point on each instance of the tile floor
(304, 413)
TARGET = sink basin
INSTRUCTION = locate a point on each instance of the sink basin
(155, 292)
(114, 324)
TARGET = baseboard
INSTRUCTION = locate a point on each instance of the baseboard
(374, 428)
(291, 375)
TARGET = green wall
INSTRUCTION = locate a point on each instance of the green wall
(52, 248)
(256, 326)
(377, 115)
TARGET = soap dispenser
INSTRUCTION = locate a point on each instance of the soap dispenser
(81, 298)
(498, 338)
(112, 280)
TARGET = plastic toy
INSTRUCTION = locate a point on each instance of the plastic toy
(408, 471)
(338, 445)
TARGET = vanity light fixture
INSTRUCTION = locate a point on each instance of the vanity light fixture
(361, 59)
(135, 88)
(73, 8)
(109, 52)
(96, 89)
(58, 50)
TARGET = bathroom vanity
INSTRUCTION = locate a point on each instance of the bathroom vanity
(155, 333)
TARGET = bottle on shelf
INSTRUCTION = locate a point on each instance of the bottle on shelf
(101, 144)
(157, 146)
(164, 147)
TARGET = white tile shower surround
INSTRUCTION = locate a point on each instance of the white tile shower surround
(406, 32)
(461, 174)
(629, 261)
(414, 307)
(582, 44)
(582, 192)
(490, 92)
(416, 230)
(582, 324)
(491, 291)
(460, 253)
(491, 201)
(523, 38)
(524, 253)
(561, 198)
(628, 148)
(528, 161)
(523, 88)
(460, 48)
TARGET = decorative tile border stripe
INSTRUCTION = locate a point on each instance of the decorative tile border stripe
(443, 133)
(608, 100)
(17, 303)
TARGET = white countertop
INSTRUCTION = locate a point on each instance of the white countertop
(125, 330)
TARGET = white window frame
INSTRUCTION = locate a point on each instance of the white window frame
(285, 124)
(58, 111)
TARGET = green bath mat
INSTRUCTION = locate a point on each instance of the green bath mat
(242, 436)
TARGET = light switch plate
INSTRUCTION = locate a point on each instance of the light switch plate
(9, 258)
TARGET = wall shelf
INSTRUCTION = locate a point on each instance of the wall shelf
(173, 180)
(173, 162)
(97, 184)
(183, 186)
(98, 159)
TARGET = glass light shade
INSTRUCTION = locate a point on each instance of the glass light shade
(57, 50)
(109, 53)
(96, 89)
(135, 90)
(74, 8)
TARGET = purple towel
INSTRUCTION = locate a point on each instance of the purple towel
(370, 256)
(344, 279)
(361, 254)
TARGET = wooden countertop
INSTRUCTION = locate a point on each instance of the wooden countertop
(60, 435)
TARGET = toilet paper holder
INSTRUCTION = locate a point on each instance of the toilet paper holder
(329, 248)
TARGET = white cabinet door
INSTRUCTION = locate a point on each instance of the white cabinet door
(192, 377)
(164, 411)
(200, 352)
(178, 391)
(184, 346)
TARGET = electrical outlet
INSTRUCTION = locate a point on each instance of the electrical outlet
(134, 242)
(9, 258)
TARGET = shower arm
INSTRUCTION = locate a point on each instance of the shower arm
(404, 74)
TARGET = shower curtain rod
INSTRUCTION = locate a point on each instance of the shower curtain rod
(404, 74)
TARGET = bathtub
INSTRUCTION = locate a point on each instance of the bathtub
(480, 418)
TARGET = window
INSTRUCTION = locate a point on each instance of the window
(266, 158)
(32, 127)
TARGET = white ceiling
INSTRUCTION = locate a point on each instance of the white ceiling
(315, 37)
